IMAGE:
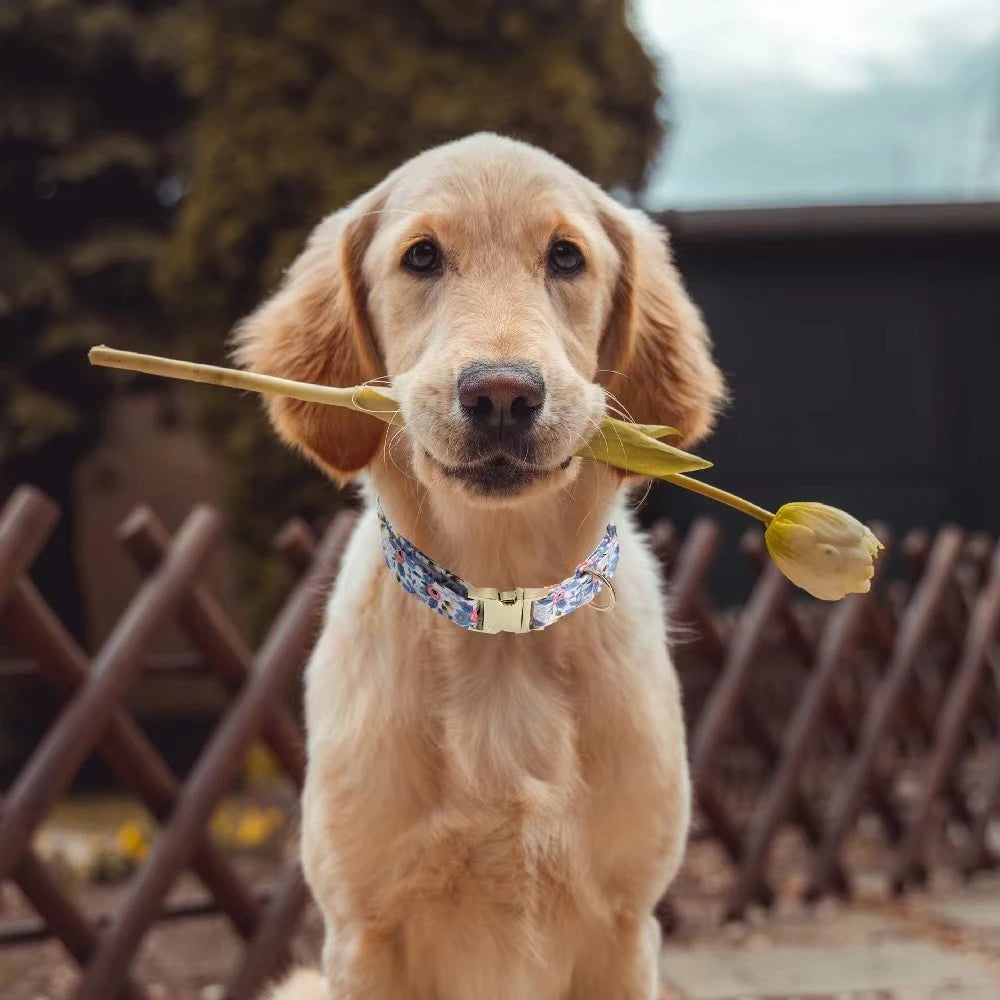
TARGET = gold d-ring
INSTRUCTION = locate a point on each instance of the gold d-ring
(607, 583)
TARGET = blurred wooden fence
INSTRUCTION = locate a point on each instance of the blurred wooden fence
(809, 714)
(801, 714)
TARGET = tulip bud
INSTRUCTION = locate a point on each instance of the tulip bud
(822, 550)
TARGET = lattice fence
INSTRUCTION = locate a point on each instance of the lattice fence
(94, 719)
(801, 716)
(809, 715)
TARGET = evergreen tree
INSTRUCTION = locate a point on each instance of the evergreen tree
(92, 119)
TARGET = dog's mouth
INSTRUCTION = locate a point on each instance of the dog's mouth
(498, 475)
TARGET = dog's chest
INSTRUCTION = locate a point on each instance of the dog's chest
(506, 714)
(510, 777)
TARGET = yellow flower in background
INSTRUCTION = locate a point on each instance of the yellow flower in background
(257, 826)
(242, 826)
(132, 841)
(260, 767)
(823, 550)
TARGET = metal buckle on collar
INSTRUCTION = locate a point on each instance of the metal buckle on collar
(506, 610)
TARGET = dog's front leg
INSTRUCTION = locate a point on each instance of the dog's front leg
(363, 965)
(621, 964)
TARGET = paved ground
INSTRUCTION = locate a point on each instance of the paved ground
(944, 946)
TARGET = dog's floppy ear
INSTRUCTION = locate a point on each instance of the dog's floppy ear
(655, 355)
(315, 329)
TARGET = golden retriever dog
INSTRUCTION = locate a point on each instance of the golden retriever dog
(488, 816)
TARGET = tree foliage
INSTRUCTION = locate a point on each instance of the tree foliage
(91, 117)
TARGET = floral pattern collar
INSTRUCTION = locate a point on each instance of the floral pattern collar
(482, 609)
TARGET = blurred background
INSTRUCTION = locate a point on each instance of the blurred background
(827, 176)
(830, 175)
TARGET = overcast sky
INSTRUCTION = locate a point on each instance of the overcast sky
(799, 101)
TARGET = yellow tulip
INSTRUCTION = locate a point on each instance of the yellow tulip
(822, 550)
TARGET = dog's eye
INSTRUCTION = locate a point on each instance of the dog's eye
(423, 257)
(564, 258)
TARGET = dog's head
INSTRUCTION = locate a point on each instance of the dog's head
(509, 300)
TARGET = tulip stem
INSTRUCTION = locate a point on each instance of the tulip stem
(353, 397)
(231, 378)
(714, 493)
(350, 397)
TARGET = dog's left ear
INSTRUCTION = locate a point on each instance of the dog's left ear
(655, 354)
(315, 328)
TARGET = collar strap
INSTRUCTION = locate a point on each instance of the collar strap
(484, 609)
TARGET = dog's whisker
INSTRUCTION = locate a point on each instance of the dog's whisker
(392, 442)
(387, 445)
(598, 429)
(388, 211)
(649, 484)
(645, 496)
(420, 504)
(621, 414)
(621, 406)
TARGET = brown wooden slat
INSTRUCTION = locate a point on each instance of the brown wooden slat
(26, 522)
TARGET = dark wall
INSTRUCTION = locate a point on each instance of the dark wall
(864, 367)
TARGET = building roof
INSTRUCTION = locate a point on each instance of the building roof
(825, 221)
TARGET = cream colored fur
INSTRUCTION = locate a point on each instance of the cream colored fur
(305, 984)
(488, 817)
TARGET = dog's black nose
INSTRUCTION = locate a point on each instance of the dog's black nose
(501, 399)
